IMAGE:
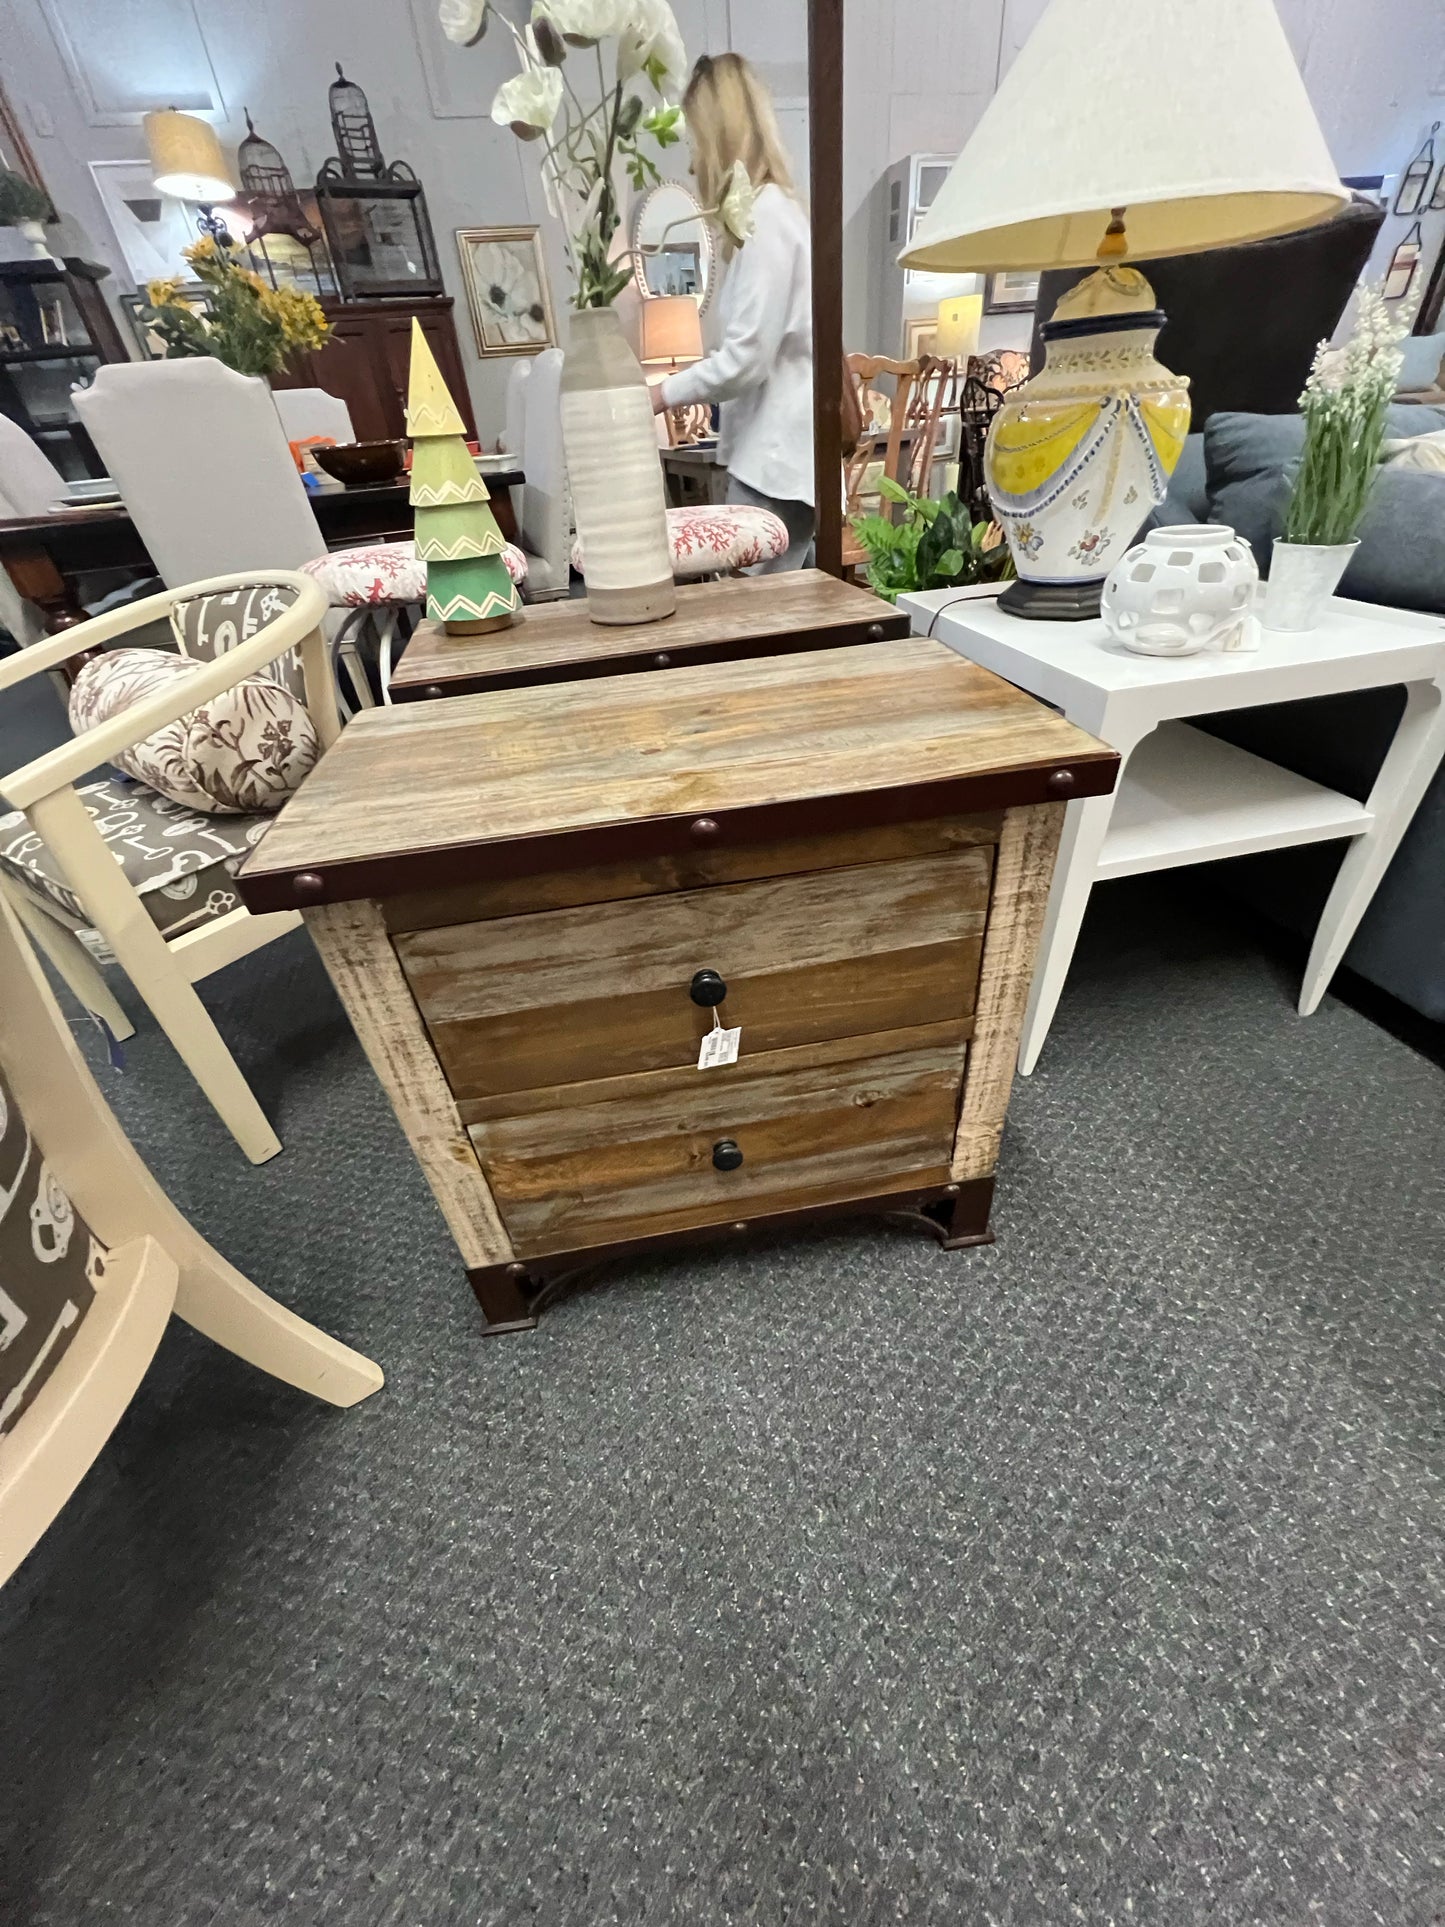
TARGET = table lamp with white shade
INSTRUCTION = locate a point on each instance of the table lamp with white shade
(187, 163)
(671, 338)
(1125, 129)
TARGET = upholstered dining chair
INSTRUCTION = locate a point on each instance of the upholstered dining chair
(143, 873)
(312, 411)
(203, 466)
(94, 1259)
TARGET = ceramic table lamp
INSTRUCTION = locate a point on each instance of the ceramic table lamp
(1125, 129)
(187, 163)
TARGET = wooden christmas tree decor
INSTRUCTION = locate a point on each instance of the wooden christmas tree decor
(468, 589)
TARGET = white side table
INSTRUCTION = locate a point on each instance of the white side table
(1186, 797)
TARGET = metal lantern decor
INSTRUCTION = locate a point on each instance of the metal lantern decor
(277, 211)
(1400, 275)
(1410, 195)
(375, 215)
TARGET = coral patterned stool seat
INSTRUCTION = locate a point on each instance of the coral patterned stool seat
(716, 541)
(380, 576)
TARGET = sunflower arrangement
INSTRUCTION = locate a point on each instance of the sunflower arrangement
(251, 327)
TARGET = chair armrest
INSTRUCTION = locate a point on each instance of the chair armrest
(61, 767)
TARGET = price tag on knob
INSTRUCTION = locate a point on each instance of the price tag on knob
(720, 1046)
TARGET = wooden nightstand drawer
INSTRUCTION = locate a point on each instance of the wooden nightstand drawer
(603, 990)
(639, 1156)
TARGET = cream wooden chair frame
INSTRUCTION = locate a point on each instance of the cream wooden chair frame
(163, 970)
(159, 1264)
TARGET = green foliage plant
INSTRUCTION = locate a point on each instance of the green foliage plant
(934, 545)
(21, 200)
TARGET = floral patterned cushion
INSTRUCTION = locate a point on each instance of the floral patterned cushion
(710, 541)
(386, 574)
(178, 861)
(245, 750)
(50, 1265)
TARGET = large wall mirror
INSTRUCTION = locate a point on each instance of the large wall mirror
(672, 244)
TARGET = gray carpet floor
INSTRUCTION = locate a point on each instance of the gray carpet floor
(1095, 1577)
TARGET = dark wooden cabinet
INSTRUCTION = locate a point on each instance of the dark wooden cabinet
(367, 359)
(55, 331)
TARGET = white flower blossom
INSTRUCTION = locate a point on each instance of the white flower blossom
(463, 21)
(738, 202)
(529, 101)
(651, 34)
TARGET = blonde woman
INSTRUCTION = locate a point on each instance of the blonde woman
(763, 371)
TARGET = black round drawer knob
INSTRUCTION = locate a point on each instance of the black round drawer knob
(1061, 782)
(727, 1154)
(704, 828)
(707, 989)
(662, 660)
(308, 887)
(875, 632)
(433, 692)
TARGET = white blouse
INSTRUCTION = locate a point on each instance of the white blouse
(763, 372)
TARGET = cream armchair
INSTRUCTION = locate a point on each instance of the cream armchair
(94, 1259)
(151, 878)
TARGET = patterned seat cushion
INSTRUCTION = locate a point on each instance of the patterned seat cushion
(711, 541)
(178, 861)
(246, 749)
(386, 575)
(50, 1265)
(206, 626)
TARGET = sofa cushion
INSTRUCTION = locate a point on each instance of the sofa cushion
(178, 861)
(1401, 557)
(244, 750)
(50, 1265)
(711, 541)
(1420, 358)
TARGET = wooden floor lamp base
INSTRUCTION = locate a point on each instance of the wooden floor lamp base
(513, 1295)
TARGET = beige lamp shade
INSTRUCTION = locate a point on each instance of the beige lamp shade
(186, 157)
(671, 328)
(1189, 114)
(958, 320)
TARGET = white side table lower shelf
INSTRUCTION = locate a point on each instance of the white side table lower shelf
(1183, 795)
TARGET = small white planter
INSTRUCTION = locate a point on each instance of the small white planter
(1180, 590)
(1302, 578)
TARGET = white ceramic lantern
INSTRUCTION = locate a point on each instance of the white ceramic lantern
(1182, 589)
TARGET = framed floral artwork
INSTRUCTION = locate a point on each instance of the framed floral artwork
(507, 292)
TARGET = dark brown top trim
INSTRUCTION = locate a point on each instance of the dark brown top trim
(887, 628)
(662, 836)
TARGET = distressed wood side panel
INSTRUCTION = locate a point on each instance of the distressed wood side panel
(361, 963)
(636, 1165)
(1022, 876)
(602, 991)
(698, 870)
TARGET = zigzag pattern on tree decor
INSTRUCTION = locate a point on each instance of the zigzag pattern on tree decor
(469, 589)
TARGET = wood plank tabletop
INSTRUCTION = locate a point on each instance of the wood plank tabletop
(555, 641)
(530, 779)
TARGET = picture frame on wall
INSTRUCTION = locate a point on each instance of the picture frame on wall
(1011, 291)
(505, 276)
(920, 336)
(151, 229)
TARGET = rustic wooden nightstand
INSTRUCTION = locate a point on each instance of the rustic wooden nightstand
(537, 904)
(746, 615)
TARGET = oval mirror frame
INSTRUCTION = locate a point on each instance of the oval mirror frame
(707, 260)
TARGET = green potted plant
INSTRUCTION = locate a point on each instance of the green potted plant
(1343, 406)
(934, 545)
(24, 210)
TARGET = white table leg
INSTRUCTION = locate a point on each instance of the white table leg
(1085, 825)
(1409, 766)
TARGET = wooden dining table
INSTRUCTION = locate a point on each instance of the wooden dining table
(46, 555)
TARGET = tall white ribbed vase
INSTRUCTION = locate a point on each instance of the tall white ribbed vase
(615, 470)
